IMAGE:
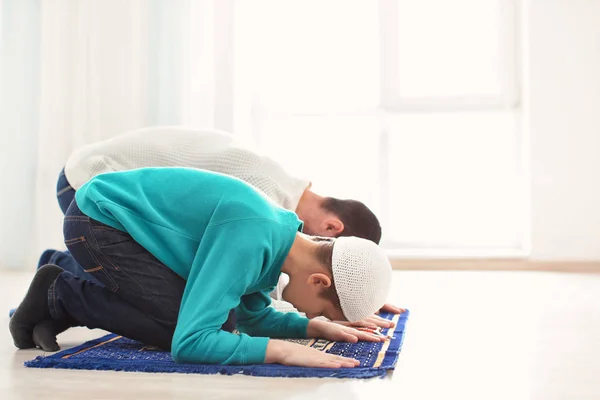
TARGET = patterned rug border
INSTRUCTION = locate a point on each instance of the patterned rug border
(64, 360)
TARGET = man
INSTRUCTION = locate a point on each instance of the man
(217, 151)
(214, 151)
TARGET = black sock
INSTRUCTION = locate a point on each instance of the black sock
(34, 307)
(45, 332)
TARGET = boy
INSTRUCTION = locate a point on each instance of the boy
(176, 249)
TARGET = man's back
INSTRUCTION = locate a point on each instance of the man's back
(212, 150)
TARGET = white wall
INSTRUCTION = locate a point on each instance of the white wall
(562, 109)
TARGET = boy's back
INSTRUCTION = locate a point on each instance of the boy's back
(225, 238)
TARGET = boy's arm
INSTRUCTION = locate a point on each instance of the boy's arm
(214, 287)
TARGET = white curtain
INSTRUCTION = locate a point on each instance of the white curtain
(74, 72)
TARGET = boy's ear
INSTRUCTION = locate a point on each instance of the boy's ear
(319, 279)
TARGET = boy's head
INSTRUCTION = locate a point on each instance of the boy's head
(332, 217)
(342, 279)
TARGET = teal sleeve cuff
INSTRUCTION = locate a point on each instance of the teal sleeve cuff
(256, 350)
(297, 325)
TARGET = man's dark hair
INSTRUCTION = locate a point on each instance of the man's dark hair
(358, 220)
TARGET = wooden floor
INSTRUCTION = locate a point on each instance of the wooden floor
(472, 335)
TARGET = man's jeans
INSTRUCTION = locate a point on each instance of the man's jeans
(65, 194)
(139, 297)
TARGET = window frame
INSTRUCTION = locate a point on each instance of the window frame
(393, 103)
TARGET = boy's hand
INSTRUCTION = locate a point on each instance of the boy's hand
(287, 353)
(391, 308)
(370, 322)
(331, 331)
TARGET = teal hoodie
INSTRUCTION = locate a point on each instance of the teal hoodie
(225, 238)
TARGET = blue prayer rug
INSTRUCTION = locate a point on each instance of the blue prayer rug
(116, 353)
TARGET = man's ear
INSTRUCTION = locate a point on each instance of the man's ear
(319, 279)
(333, 226)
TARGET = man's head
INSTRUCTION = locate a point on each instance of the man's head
(332, 217)
(342, 279)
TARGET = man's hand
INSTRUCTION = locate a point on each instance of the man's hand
(370, 322)
(391, 308)
(376, 321)
(287, 353)
(331, 331)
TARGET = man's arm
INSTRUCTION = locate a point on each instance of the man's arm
(256, 317)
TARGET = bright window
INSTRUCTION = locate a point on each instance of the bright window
(411, 107)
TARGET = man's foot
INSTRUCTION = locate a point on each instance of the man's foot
(45, 332)
(45, 257)
(34, 307)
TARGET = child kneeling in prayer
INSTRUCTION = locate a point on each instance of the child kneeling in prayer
(185, 256)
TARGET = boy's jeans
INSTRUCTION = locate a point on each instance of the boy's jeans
(139, 297)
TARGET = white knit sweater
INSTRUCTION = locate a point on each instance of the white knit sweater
(211, 150)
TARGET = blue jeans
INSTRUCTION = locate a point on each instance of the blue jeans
(139, 297)
(65, 194)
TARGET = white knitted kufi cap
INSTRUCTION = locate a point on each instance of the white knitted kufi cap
(362, 275)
